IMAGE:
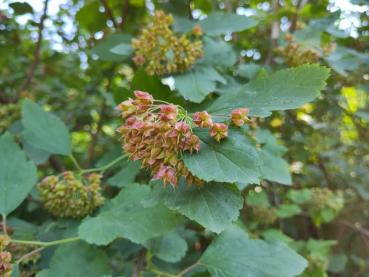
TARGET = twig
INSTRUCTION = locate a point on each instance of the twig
(274, 34)
(56, 163)
(295, 16)
(75, 162)
(36, 54)
(95, 135)
(5, 229)
(125, 11)
(140, 265)
(109, 13)
(29, 254)
(105, 167)
(188, 269)
(355, 226)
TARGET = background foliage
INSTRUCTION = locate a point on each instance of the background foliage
(288, 193)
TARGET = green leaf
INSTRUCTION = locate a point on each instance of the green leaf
(274, 168)
(125, 216)
(218, 53)
(248, 70)
(171, 247)
(44, 130)
(21, 8)
(320, 248)
(233, 254)
(299, 196)
(198, 82)
(258, 199)
(275, 234)
(214, 206)
(233, 160)
(17, 175)
(337, 263)
(38, 156)
(142, 81)
(77, 259)
(126, 175)
(220, 23)
(269, 142)
(104, 48)
(282, 90)
(287, 210)
(122, 49)
(90, 18)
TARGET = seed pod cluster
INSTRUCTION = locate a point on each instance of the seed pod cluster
(69, 196)
(157, 134)
(9, 113)
(296, 54)
(5, 257)
(264, 216)
(161, 51)
(5, 264)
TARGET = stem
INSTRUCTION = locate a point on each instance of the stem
(181, 274)
(32, 69)
(29, 254)
(5, 228)
(188, 269)
(105, 167)
(75, 162)
(160, 273)
(45, 243)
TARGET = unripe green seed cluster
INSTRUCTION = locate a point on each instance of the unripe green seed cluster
(9, 113)
(296, 54)
(161, 51)
(264, 216)
(69, 196)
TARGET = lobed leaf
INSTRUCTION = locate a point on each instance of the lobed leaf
(17, 175)
(282, 90)
(214, 206)
(219, 23)
(170, 247)
(233, 160)
(44, 130)
(198, 82)
(77, 259)
(125, 216)
(233, 254)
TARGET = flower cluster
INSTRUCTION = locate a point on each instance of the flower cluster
(157, 133)
(69, 196)
(161, 51)
(9, 113)
(5, 257)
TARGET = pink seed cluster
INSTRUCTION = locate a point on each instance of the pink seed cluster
(157, 133)
(154, 134)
